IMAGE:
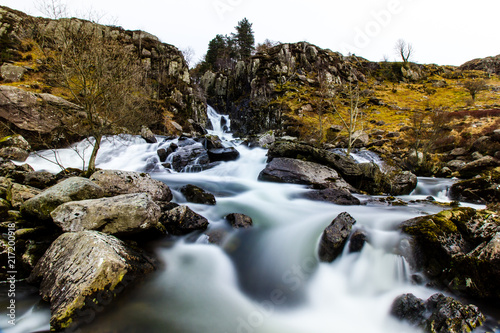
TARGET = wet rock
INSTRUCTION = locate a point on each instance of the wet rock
(439, 314)
(190, 155)
(116, 182)
(400, 183)
(337, 196)
(238, 221)
(335, 237)
(71, 189)
(120, 215)
(294, 171)
(458, 249)
(481, 190)
(163, 154)
(148, 135)
(84, 271)
(198, 195)
(182, 220)
(223, 154)
(357, 240)
(211, 142)
(479, 166)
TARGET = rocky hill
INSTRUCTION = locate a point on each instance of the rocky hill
(32, 97)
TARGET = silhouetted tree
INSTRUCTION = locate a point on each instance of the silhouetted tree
(404, 49)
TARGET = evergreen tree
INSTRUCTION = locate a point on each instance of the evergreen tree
(244, 38)
(216, 49)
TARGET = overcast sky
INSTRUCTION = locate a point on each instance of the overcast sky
(445, 32)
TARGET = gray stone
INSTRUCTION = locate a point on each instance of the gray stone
(238, 221)
(337, 196)
(335, 237)
(122, 214)
(148, 135)
(14, 153)
(12, 73)
(182, 220)
(198, 195)
(22, 193)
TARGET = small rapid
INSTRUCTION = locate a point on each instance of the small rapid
(266, 279)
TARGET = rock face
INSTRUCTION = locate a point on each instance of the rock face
(115, 182)
(294, 171)
(335, 237)
(196, 194)
(362, 176)
(238, 221)
(83, 271)
(120, 215)
(336, 196)
(439, 314)
(458, 249)
(488, 64)
(182, 220)
(71, 189)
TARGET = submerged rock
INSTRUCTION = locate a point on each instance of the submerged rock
(439, 314)
(116, 182)
(458, 249)
(71, 189)
(198, 195)
(81, 272)
(182, 220)
(335, 237)
(337, 196)
(120, 215)
(238, 221)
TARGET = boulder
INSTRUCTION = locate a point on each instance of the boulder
(460, 151)
(71, 189)
(211, 142)
(12, 73)
(294, 171)
(456, 165)
(120, 215)
(481, 190)
(39, 179)
(479, 166)
(458, 249)
(81, 272)
(15, 141)
(116, 182)
(238, 221)
(147, 135)
(335, 237)
(439, 314)
(266, 139)
(14, 153)
(339, 196)
(400, 182)
(223, 154)
(22, 193)
(357, 240)
(182, 220)
(198, 195)
(193, 155)
(5, 188)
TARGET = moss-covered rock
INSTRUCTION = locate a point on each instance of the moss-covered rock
(482, 190)
(458, 249)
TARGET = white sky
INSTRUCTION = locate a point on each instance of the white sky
(445, 32)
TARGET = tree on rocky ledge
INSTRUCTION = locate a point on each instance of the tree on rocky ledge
(100, 75)
(404, 50)
(244, 38)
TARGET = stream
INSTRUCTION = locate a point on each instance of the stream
(266, 279)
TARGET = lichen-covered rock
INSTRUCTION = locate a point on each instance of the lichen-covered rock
(120, 215)
(12, 73)
(198, 195)
(15, 141)
(294, 171)
(14, 153)
(71, 189)
(116, 182)
(83, 271)
(335, 237)
(439, 314)
(22, 193)
(458, 249)
(182, 220)
(339, 196)
(238, 221)
(5, 188)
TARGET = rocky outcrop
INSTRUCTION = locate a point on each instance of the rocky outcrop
(294, 171)
(116, 182)
(439, 314)
(458, 249)
(71, 189)
(238, 221)
(479, 166)
(84, 271)
(198, 195)
(182, 220)
(489, 64)
(335, 237)
(120, 215)
(481, 190)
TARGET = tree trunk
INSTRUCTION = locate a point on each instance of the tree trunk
(91, 167)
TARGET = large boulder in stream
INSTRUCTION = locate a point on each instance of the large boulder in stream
(439, 314)
(194, 155)
(458, 249)
(116, 182)
(71, 189)
(120, 215)
(339, 196)
(198, 195)
(238, 221)
(335, 237)
(223, 154)
(81, 272)
(365, 177)
(182, 220)
(294, 171)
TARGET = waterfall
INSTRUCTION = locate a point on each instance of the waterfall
(266, 279)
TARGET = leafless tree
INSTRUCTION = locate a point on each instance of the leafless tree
(404, 49)
(351, 116)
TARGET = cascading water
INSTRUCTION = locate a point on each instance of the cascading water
(266, 279)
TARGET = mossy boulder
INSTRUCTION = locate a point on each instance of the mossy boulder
(71, 189)
(481, 190)
(458, 249)
(83, 271)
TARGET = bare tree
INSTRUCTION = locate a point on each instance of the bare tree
(188, 54)
(404, 49)
(351, 117)
(474, 87)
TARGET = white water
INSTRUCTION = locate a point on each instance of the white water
(267, 279)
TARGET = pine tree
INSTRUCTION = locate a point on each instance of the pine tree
(244, 38)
